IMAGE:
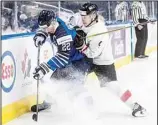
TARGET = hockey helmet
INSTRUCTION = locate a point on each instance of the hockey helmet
(88, 8)
(46, 17)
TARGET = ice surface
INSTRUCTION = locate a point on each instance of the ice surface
(70, 109)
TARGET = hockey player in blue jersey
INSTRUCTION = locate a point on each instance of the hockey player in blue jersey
(64, 38)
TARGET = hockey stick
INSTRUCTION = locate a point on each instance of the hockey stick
(35, 116)
(125, 27)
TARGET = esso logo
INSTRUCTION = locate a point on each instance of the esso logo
(8, 71)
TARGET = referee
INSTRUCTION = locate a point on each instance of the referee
(139, 15)
(122, 11)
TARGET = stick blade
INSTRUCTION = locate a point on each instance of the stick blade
(35, 117)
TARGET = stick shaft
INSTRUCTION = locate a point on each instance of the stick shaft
(38, 62)
(124, 27)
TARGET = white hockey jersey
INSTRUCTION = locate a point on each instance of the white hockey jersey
(100, 48)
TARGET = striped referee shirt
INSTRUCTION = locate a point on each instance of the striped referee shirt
(138, 12)
(122, 11)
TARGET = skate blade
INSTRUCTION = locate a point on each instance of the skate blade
(141, 114)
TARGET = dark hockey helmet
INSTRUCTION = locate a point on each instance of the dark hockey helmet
(88, 8)
(46, 17)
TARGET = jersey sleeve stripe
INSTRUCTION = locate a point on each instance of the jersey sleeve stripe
(63, 60)
(63, 56)
(53, 61)
(58, 59)
(57, 62)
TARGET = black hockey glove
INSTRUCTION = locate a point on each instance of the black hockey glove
(40, 38)
(40, 71)
(80, 39)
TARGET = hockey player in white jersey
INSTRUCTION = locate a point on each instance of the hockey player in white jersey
(98, 48)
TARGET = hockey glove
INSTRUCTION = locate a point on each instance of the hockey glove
(40, 38)
(80, 39)
(40, 71)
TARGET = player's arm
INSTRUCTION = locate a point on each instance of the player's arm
(60, 60)
(96, 45)
(62, 57)
(40, 37)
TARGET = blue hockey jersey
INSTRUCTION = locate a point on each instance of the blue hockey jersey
(66, 52)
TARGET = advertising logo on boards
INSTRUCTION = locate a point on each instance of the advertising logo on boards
(26, 68)
(26, 65)
(45, 54)
(8, 71)
(118, 43)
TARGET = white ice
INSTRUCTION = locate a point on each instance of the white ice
(140, 77)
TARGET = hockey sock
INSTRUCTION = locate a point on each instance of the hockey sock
(124, 94)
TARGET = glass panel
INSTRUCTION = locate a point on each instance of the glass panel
(27, 13)
(8, 12)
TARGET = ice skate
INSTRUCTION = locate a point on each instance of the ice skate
(139, 111)
(41, 107)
